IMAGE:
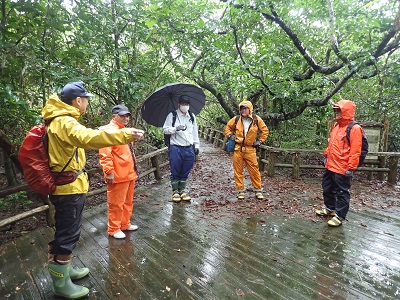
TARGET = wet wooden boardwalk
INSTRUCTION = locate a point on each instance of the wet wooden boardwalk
(182, 252)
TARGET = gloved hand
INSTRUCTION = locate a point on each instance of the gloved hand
(324, 161)
(232, 137)
(257, 144)
(181, 128)
(348, 173)
(196, 151)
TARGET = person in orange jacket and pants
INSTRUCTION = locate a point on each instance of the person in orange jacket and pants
(118, 163)
(244, 130)
(341, 158)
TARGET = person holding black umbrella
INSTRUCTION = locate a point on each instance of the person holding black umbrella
(184, 145)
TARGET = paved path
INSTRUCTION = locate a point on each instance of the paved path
(213, 248)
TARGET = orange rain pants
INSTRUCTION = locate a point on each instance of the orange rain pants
(120, 205)
(246, 157)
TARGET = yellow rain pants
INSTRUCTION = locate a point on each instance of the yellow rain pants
(246, 156)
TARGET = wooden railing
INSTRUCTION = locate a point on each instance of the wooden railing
(269, 158)
(152, 161)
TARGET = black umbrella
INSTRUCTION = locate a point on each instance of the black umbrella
(165, 99)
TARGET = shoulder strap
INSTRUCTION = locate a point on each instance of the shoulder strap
(348, 129)
(66, 165)
(236, 120)
(174, 115)
(255, 120)
(191, 116)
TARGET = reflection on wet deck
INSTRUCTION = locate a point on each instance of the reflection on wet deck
(182, 252)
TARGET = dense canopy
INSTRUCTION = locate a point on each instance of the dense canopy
(291, 59)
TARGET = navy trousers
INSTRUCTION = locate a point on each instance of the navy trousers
(181, 160)
(336, 192)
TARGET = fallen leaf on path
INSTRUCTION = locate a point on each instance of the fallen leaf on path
(333, 265)
(239, 292)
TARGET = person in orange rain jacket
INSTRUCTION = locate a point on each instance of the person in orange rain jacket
(119, 168)
(341, 158)
(244, 130)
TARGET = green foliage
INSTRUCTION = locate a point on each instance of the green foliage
(155, 137)
(16, 116)
(307, 132)
(124, 50)
(16, 202)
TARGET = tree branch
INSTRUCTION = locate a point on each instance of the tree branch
(198, 58)
(217, 95)
(246, 65)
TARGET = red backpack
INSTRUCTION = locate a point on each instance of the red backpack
(34, 159)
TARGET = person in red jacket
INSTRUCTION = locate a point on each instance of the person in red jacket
(118, 163)
(341, 158)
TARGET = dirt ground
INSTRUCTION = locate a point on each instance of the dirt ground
(212, 188)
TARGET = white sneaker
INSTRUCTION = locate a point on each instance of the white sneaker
(133, 227)
(119, 235)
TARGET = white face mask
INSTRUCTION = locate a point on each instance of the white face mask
(184, 108)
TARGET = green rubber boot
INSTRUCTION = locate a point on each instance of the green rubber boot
(62, 284)
(76, 274)
(181, 190)
(174, 185)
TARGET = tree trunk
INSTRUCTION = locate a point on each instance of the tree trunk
(10, 170)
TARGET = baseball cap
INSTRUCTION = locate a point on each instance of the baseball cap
(243, 105)
(120, 109)
(72, 90)
(184, 99)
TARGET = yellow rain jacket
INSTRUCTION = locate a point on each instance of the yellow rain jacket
(66, 134)
(245, 153)
(245, 143)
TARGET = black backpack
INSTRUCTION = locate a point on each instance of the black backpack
(167, 137)
(364, 147)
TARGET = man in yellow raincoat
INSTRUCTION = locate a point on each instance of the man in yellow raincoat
(244, 130)
(118, 163)
(67, 139)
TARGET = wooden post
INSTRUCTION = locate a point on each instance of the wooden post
(271, 163)
(381, 164)
(224, 143)
(370, 175)
(155, 164)
(204, 132)
(393, 160)
(296, 165)
(220, 137)
(261, 164)
(207, 137)
(213, 136)
(50, 213)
